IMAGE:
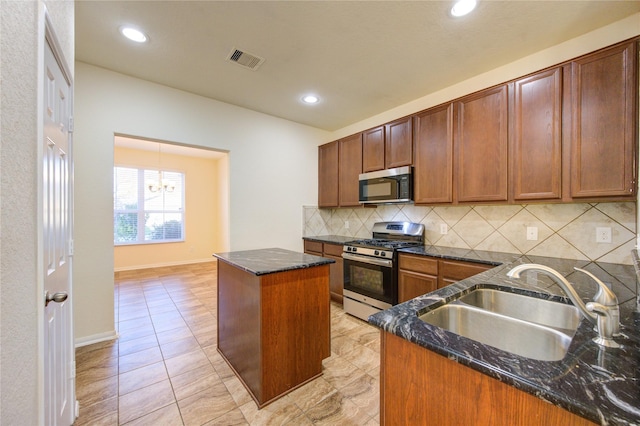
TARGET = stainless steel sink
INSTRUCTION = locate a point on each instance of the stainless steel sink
(540, 311)
(523, 325)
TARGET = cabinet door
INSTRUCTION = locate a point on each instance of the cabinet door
(480, 140)
(398, 143)
(349, 170)
(373, 150)
(433, 163)
(336, 270)
(414, 284)
(604, 123)
(537, 142)
(328, 175)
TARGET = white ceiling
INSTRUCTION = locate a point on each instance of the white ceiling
(361, 57)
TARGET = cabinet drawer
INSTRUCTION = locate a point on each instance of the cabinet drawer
(333, 249)
(421, 264)
(313, 246)
(460, 270)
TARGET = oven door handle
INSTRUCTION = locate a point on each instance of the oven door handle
(371, 260)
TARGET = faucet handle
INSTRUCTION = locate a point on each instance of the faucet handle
(604, 295)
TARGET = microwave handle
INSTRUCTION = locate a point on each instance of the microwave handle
(370, 260)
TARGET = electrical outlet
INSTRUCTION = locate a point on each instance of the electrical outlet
(603, 234)
(443, 229)
(532, 233)
(346, 224)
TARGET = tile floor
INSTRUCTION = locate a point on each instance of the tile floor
(164, 368)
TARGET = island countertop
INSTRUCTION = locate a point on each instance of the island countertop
(271, 260)
(598, 384)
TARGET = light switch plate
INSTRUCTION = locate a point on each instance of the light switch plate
(532, 233)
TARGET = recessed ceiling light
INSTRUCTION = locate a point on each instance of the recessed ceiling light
(133, 34)
(310, 99)
(462, 7)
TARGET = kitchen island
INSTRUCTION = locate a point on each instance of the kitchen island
(431, 376)
(273, 319)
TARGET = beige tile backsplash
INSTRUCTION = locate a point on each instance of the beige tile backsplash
(564, 230)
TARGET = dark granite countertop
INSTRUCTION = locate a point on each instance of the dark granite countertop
(271, 260)
(331, 239)
(602, 385)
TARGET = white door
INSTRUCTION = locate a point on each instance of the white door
(59, 357)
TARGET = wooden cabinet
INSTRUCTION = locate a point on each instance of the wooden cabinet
(433, 163)
(373, 150)
(537, 137)
(328, 162)
(481, 141)
(273, 329)
(398, 143)
(604, 123)
(339, 164)
(336, 270)
(418, 275)
(350, 167)
(414, 380)
(388, 146)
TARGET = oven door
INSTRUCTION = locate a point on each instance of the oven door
(371, 277)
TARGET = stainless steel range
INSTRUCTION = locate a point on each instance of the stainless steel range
(370, 267)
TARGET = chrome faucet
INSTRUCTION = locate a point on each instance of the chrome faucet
(603, 312)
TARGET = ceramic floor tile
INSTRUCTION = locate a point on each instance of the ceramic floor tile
(175, 336)
(144, 401)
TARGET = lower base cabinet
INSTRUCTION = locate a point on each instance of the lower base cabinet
(420, 387)
(418, 275)
(330, 251)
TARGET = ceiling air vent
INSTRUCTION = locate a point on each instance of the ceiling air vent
(245, 59)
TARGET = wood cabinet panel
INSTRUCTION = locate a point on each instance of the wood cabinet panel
(350, 168)
(373, 150)
(414, 284)
(420, 387)
(537, 139)
(480, 141)
(328, 174)
(313, 247)
(433, 162)
(603, 149)
(454, 270)
(336, 270)
(398, 143)
(422, 264)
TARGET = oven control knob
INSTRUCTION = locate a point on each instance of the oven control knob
(376, 252)
(383, 254)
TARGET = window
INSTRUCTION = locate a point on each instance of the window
(148, 206)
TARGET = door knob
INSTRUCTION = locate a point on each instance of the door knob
(55, 297)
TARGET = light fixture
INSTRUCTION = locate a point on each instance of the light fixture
(133, 34)
(310, 99)
(462, 7)
(161, 184)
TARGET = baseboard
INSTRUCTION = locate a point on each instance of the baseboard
(95, 338)
(160, 265)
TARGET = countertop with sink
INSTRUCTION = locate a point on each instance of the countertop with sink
(600, 384)
(596, 383)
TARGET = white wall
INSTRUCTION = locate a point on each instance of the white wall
(21, 50)
(272, 172)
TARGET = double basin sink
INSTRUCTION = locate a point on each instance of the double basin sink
(524, 325)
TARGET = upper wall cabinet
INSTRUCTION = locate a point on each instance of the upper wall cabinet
(328, 161)
(373, 150)
(604, 125)
(350, 167)
(481, 142)
(537, 137)
(388, 146)
(398, 143)
(433, 164)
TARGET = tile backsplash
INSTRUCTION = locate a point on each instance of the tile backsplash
(564, 230)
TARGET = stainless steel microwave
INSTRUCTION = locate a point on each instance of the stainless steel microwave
(387, 186)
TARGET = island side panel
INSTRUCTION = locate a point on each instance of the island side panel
(296, 328)
(418, 386)
(239, 324)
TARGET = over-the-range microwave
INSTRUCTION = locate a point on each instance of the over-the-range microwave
(387, 186)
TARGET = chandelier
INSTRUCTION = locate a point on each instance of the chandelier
(160, 184)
